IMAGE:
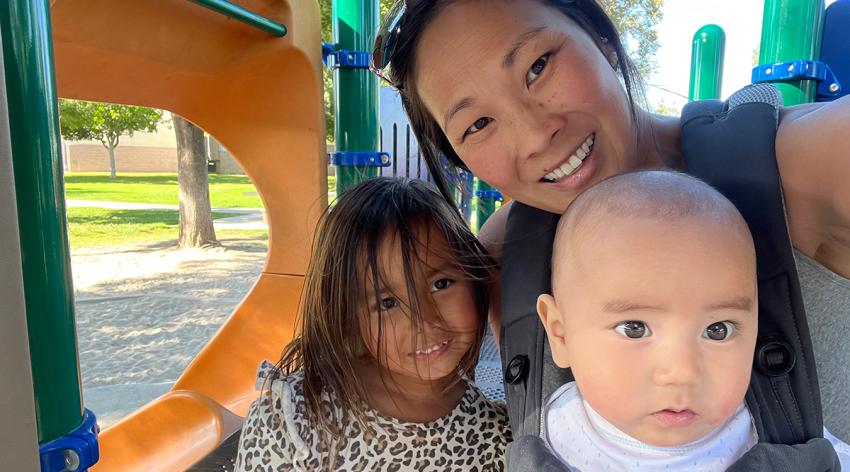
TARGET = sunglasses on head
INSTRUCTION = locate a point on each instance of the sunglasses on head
(385, 40)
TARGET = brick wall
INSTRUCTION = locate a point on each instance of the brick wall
(95, 158)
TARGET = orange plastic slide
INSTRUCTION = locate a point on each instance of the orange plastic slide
(261, 97)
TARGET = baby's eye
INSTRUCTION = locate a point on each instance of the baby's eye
(479, 124)
(441, 284)
(536, 69)
(388, 303)
(633, 329)
(720, 331)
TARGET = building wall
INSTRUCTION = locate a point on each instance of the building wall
(83, 157)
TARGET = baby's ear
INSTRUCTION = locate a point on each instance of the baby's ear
(555, 329)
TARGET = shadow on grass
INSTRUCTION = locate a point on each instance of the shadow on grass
(148, 179)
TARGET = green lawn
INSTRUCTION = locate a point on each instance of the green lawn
(89, 227)
(226, 191)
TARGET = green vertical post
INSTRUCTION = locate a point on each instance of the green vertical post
(486, 204)
(46, 267)
(707, 50)
(791, 30)
(355, 90)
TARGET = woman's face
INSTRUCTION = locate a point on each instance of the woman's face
(527, 99)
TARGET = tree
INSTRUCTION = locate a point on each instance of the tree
(104, 122)
(636, 21)
(196, 225)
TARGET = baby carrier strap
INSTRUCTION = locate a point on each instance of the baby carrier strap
(732, 147)
(530, 374)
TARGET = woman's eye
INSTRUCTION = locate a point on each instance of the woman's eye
(479, 124)
(536, 69)
(633, 329)
(720, 331)
(441, 284)
(388, 303)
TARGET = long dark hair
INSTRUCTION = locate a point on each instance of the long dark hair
(344, 268)
(588, 14)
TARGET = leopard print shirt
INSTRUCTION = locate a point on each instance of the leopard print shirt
(277, 437)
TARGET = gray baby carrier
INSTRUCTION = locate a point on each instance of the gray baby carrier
(730, 146)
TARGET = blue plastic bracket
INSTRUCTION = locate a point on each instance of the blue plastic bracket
(360, 159)
(344, 59)
(76, 451)
(489, 194)
(828, 84)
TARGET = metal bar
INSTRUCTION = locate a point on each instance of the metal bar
(486, 205)
(37, 163)
(792, 30)
(355, 90)
(707, 50)
(245, 16)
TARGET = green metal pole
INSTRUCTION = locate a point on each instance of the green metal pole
(486, 205)
(46, 267)
(707, 49)
(245, 16)
(791, 30)
(355, 90)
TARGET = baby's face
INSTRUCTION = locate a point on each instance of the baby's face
(658, 322)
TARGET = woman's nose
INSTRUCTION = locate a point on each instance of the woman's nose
(536, 128)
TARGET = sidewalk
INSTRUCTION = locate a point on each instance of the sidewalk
(248, 219)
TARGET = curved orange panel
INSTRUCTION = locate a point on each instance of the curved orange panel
(261, 97)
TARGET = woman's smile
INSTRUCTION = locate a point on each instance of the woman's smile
(575, 171)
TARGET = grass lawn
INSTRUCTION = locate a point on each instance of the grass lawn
(89, 227)
(226, 191)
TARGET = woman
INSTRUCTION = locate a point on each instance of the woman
(538, 98)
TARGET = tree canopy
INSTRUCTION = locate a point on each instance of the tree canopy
(104, 122)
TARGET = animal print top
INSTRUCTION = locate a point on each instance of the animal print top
(277, 437)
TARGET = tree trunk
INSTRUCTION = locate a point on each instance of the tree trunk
(111, 150)
(196, 225)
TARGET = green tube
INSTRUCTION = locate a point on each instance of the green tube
(37, 162)
(792, 29)
(486, 205)
(355, 90)
(707, 49)
(245, 16)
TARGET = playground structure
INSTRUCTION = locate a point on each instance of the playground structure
(257, 88)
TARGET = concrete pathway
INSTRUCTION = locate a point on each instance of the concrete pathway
(248, 219)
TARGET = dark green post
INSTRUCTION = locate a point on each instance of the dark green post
(355, 90)
(707, 50)
(792, 30)
(37, 162)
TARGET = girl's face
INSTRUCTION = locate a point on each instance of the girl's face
(527, 99)
(448, 312)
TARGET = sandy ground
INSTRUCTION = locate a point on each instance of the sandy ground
(143, 312)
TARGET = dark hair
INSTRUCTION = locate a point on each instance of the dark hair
(588, 14)
(344, 267)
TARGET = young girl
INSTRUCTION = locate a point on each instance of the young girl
(392, 319)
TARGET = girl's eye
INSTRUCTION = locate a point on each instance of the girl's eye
(633, 329)
(536, 69)
(479, 124)
(441, 284)
(720, 331)
(388, 303)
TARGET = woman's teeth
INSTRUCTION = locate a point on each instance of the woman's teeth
(430, 349)
(574, 162)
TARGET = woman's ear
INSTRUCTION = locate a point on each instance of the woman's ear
(556, 331)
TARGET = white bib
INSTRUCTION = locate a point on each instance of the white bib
(589, 443)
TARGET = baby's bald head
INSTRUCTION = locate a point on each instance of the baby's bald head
(659, 195)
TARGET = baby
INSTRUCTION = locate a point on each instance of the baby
(654, 307)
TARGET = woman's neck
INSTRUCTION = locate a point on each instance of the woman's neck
(409, 398)
(660, 142)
